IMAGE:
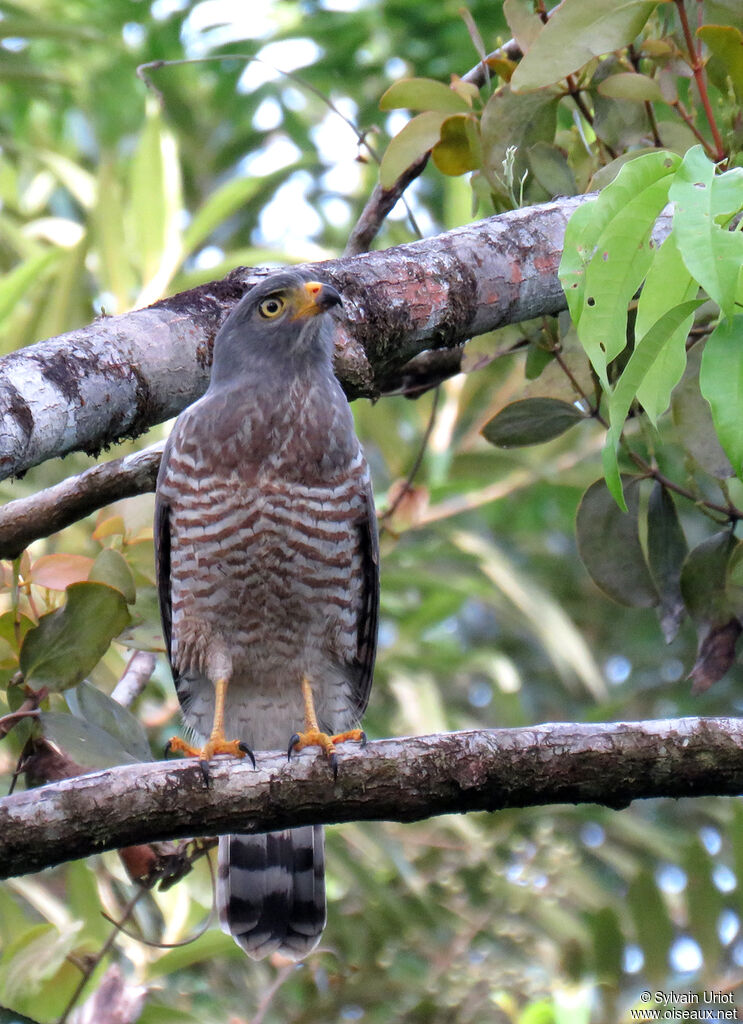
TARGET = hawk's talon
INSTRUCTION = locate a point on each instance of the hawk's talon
(247, 751)
(204, 767)
(315, 738)
(363, 740)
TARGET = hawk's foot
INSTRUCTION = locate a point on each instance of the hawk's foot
(315, 738)
(216, 744)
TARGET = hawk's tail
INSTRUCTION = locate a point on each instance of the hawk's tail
(271, 891)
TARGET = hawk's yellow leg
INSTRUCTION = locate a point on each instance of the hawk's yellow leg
(313, 737)
(217, 743)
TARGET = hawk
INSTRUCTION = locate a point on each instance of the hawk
(267, 566)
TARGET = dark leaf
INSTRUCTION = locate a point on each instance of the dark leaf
(704, 577)
(84, 743)
(609, 546)
(70, 641)
(716, 654)
(87, 702)
(667, 550)
(531, 421)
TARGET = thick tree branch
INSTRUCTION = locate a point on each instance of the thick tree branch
(120, 375)
(398, 780)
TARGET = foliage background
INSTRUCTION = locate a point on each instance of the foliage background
(110, 199)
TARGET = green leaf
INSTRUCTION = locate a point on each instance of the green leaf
(19, 280)
(115, 270)
(692, 418)
(668, 284)
(87, 702)
(423, 94)
(575, 33)
(551, 169)
(144, 632)
(704, 901)
(704, 577)
(640, 362)
(721, 383)
(667, 549)
(609, 547)
(86, 744)
(617, 254)
(30, 958)
(112, 568)
(458, 149)
(417, 137)
(70, 641)
(531, 421)
(628, 85)
(515, 120)
(726, 42)
(712, 254)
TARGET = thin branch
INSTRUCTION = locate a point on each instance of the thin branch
(697, 66)
(382, 200)
(39, 515)
(399, 780)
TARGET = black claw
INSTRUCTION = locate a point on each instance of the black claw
(334, 765)
(292, 743)
(167, 749)
(247, 751)
(363, 741)
(204, 766)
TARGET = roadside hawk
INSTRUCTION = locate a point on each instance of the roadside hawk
(267, 565)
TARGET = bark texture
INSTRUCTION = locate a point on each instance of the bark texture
(399, 780)
(113, 379)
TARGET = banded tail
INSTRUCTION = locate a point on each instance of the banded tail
(271, 891)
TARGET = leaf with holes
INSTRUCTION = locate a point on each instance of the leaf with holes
(712, 254)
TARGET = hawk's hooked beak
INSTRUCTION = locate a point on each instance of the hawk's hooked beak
(315, 297)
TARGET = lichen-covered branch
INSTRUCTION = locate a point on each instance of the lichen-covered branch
(398, 780)
(120, 375)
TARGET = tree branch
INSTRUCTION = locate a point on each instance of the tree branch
(397, 780)
(120, 375)
(41, 514)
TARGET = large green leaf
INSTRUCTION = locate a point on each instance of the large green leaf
(615, 255)
(112, 568)
(667, 284)
(712, 254)
(704, 579)
(576, 32)
(609, 547)
(654, 931)
(721, 383)
(641, 361)
(83, 742)
(70, 641)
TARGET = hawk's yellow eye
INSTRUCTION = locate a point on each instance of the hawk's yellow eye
(270, 308)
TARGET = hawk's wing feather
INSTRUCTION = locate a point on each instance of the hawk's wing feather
(162, 555)
(367, 632)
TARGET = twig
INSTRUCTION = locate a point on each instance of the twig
(413, 471)
(136, 676)
(697, 66)
(92, 963)
(268, 996)
(401, 780)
